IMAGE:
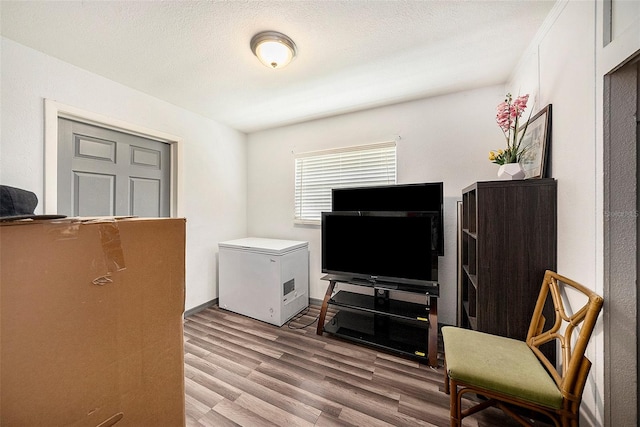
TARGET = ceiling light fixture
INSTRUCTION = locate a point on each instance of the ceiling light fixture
(273, 49)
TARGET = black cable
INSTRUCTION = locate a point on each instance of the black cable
(299, 316)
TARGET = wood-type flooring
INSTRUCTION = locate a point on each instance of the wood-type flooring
(243, 372)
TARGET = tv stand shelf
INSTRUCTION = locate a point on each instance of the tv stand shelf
(393, 308)
(403, 327)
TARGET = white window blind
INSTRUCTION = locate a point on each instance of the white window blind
(320, 171)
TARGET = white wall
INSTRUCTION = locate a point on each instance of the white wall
(560, 71)
(214, 172)
(565, 68)
(446, 138)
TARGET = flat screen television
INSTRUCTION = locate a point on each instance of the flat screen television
(422, 197)
(392, 247)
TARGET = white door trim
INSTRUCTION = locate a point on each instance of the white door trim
(53, 110)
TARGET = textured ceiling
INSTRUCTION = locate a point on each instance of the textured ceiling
(352, 55)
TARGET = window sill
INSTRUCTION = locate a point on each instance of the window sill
(315, 222)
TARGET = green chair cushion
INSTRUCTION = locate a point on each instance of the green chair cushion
(499, 364)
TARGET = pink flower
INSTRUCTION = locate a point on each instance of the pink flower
(504, 116)
(521, 103)
(508, 112)
(508, 115)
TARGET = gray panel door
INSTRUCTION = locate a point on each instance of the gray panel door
(105, 172)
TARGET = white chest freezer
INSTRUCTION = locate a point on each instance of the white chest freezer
(266, 279)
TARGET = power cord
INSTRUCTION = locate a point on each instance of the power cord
(299, 316)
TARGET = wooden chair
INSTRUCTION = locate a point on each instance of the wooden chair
(507, 372)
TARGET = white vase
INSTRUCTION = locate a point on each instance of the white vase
(511, 171)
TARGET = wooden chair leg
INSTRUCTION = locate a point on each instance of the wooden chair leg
(455, 405)
(446, 378)
(569, 421)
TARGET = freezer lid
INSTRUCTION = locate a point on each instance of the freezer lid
(262, 245)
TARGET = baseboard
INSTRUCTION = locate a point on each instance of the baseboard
(313, 301)
(201, 307)
(194, 310)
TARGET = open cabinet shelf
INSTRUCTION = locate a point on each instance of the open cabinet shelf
(508, 239)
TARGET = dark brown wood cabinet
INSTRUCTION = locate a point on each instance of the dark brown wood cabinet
(508, 240)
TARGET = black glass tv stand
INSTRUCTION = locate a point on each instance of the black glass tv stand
(408, 328)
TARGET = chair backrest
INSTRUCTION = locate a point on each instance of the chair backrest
(575, 366)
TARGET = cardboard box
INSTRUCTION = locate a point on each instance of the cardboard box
(91, 315)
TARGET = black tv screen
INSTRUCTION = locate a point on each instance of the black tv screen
(424, 197)
(379, 246)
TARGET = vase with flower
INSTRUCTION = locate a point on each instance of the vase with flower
(508, 116)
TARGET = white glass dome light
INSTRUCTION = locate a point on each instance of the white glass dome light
(273, 49)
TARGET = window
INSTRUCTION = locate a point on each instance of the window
(320, 171)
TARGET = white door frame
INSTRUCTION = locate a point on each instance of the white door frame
(53, 110)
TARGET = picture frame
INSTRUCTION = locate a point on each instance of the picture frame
(536, 142)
